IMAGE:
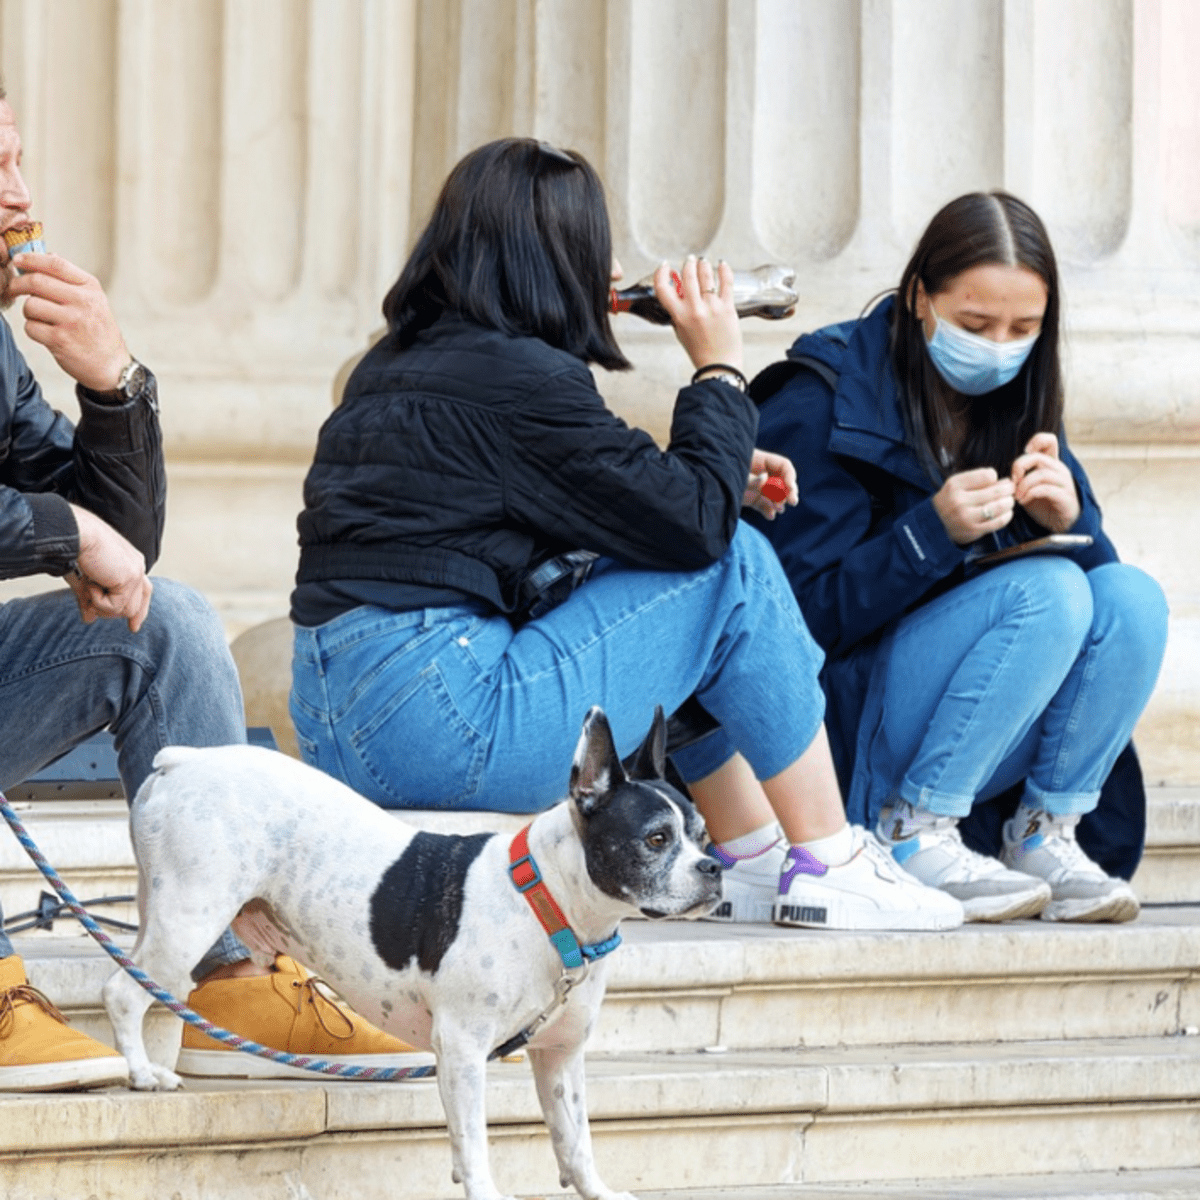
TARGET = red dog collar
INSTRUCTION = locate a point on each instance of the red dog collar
(527, 879)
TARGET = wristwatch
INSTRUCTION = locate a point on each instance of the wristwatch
(132, 384)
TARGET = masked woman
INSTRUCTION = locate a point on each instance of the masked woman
(925, 434)
(470, 448)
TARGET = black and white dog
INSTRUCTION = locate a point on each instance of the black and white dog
(458, 944)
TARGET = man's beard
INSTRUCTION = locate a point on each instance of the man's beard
(7, 274)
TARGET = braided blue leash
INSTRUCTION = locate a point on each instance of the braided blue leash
(181, 1010)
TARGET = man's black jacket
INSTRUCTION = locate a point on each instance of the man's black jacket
(112, 465)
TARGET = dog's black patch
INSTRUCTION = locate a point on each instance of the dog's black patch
(417, 906)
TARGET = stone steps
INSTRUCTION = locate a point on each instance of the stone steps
(87, 841)
(658, 1122)
(746, 1061)
(683, 987)
(725, 1057)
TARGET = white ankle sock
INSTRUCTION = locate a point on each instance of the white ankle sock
(834, 850)
(754, 843)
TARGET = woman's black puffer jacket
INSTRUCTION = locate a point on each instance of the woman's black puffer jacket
(462, 460)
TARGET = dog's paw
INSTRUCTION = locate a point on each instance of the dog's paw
(154, 1078)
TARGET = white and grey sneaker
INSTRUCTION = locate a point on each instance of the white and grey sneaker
(1045, 846)
(932, 849)
(749, 886)
(868, 892)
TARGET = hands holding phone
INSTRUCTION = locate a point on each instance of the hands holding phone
(976, 502)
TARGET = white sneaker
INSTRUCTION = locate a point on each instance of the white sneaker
(1080, 890)
(868, 892)
(750, 887)
(932, 849)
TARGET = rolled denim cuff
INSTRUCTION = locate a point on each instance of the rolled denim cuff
(942, 804)
(1059, 804)
(227, 949)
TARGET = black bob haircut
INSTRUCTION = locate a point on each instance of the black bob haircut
(980, 228)
(519, 241)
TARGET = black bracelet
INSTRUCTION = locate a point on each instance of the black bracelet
(723, 369)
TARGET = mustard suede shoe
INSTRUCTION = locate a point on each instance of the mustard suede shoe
(286, 1010)
(39, 1051)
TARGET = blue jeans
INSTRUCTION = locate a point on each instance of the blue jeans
(171, 683)
(1034, 670)
(447, 708)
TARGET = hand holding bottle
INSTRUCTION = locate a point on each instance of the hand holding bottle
(702, 311)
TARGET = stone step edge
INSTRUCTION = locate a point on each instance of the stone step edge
(928, 1082)
(1182, 1184)
(709, 958)
(1173, 819)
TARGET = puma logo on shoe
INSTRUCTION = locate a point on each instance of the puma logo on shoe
(802, 914)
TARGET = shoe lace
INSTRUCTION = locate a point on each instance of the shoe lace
(323, 1005)
(1059, 840)
(967, 862)
(24, 994)
(872, 849)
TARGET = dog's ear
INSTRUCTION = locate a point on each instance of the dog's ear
(649, 761)
(596, 770)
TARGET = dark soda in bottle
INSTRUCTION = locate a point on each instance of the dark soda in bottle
(766, 292)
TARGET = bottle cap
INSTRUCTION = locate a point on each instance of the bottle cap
(775, 489)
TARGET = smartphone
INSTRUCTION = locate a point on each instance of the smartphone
(1054, 543)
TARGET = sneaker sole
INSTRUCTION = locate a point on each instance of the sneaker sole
(1007, 908)
(845, 918)
(236, 1064)
(1124, 906)
(741, 910)
(75, 1075)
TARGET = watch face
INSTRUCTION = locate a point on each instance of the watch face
(133, 380)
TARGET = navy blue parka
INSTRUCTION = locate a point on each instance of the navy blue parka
(865, 546)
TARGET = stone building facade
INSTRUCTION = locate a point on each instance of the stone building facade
(245, 177)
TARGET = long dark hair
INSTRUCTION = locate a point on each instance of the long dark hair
(975, 230)
(519, 241)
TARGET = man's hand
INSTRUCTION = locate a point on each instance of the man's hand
(112, 579)
(68, 313)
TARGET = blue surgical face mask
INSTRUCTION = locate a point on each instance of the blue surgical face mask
(972, 364)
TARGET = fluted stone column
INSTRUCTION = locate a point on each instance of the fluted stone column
(246, 175)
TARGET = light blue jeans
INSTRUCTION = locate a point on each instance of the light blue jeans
(1034, 670)
(171, 683)
(445, 708)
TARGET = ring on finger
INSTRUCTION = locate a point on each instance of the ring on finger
(986, 510)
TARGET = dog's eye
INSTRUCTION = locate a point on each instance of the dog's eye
(658, 839)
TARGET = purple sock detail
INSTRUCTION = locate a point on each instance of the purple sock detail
(726, 859)
(799, 862)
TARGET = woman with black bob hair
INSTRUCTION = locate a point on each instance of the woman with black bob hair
(472, 448)
(927, 434)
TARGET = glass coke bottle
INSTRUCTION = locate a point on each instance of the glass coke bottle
(766, 292)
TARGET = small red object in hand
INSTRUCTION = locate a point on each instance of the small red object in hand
(775, 489)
